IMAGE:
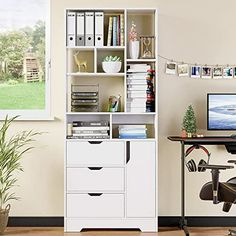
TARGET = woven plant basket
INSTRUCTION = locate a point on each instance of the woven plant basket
(4, 218)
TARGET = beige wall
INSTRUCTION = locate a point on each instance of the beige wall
(195, 31)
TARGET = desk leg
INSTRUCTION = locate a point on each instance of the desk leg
(183, 221)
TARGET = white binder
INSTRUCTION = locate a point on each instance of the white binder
(99, 28)
(89, 28)
(80, 29)
(71, 20)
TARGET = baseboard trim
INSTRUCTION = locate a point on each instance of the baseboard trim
(198, 221)
(163, 221)
(18, 221)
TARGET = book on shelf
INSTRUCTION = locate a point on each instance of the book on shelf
(91, 128)
(88, 137)
(89, 131)
(133, 136)
(109, 31)
(90, 123)
(130, 127)
(136, 109)
(137, 87)
(115, 36)
(114, 32)
(132, 131)
(136, 81)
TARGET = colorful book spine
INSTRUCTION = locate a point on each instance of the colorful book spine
(118, 30)
(114, 35)
(122, 43)
(109, 31)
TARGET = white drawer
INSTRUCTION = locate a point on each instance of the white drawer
(105, 205)
(95, 179)
(95, 153)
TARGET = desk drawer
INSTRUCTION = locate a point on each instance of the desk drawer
(95, 179)
(104, 205)
(95, 153)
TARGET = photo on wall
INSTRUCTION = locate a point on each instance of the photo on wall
(228, 72)
(206, 72)
(195, 71)
(171, 68)
(217, 72)
(183, 70)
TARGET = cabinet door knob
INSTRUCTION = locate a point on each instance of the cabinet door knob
(95, 142)
(95, 168)
(94, 194)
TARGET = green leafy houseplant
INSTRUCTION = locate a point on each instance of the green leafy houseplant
(12, 149)
(190, 122)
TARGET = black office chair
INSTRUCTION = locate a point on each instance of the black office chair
(220, 191)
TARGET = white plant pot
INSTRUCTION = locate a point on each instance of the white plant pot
(134, 49)
(111, 66)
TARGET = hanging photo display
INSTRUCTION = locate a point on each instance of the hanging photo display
(199, 71)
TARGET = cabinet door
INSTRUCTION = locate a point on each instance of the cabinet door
(141, 179)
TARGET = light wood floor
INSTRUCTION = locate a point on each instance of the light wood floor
(21, 231)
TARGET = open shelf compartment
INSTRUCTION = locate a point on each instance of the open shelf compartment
(149, 120)
(107, 86)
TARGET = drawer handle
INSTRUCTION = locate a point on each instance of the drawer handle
(95, 168)
(95, 142)
(94, 194)
(127, 151)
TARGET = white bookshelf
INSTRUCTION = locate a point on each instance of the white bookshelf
(134, 204)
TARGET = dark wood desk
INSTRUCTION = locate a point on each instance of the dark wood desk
(227, 141)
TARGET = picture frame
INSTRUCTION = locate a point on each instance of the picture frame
(171, 68)
(206, 72)
(183, 70)
(228, 72)
(217, 72)
(196, 71)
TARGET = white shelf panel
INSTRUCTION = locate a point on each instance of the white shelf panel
(141, 60)
(109, 113)
(112, 139)
(97, 74)
(93, 47)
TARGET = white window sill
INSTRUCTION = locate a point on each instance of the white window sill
(27, 115)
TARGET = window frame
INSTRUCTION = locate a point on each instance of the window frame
(34, 114)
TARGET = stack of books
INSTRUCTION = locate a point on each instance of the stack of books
(84, 101)
(115, 35)
(132, 131)
(140, 89)
(88, 130)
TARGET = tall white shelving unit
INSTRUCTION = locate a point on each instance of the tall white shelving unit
(112, 183)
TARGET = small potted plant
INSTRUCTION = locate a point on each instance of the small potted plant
(133, 42)
(111, 64)
(12, 150)
(189, 122)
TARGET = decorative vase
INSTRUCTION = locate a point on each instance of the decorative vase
(111, 66)
(4, 218)
(134, 49)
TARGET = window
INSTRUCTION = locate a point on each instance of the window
(24, 58)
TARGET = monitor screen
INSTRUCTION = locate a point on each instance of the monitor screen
(221, 111)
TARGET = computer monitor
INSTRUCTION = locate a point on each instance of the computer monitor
(221, 111)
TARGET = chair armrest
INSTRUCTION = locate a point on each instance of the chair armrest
(217, 167)
(215, 172)
(232, 161)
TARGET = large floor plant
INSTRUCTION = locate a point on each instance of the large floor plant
(12, 149)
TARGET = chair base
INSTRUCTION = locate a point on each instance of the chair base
(232, 232)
